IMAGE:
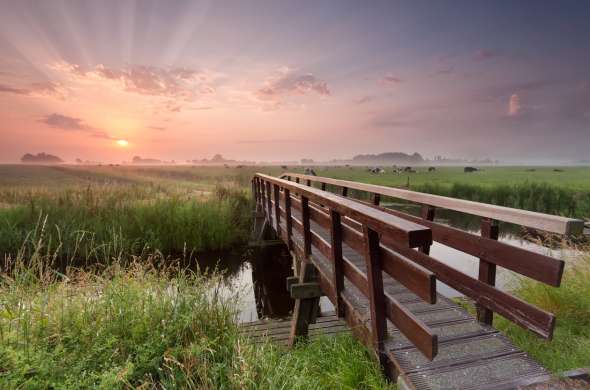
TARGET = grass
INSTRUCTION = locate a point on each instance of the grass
(147, 327)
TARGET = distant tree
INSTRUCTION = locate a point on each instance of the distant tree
(41, 158)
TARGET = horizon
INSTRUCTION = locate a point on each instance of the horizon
(183, 80)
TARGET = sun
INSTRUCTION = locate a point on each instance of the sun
(122, 142)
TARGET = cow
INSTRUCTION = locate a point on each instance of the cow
(431, 169)
(470, 169)
(310, 171)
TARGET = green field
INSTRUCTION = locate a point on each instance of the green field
(124, 317)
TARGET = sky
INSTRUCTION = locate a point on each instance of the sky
(277, 81)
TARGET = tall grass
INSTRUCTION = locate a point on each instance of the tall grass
(142, 326)
(98, 225)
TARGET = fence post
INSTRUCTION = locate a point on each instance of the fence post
(487, 271)
(376, 296)
(427, 213)
(337, 261)
(323, 186)
(277, 209)
(375, 199)
(308, 183)
(288, 220)
(268, 203)
(344, 191)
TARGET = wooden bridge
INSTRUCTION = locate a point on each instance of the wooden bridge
(374, 265)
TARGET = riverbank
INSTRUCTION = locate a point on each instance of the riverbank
(143, 326)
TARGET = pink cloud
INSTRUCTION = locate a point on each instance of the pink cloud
(38, 89)
(287, 83)
(514, 105)
(484, 55)
(390, 80)
(68, 123)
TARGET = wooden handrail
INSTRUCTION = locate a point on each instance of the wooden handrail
(531, 219)
(376, 224)
(410, 233)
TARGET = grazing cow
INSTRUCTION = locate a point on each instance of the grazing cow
(431, 169)
(558, 170)
(470, 169)
(310, 171)
(284, 167)
(409, 170)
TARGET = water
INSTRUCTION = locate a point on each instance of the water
(260, 276)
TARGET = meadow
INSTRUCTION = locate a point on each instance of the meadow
(94, 291)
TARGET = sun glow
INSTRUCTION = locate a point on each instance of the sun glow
(122, 142)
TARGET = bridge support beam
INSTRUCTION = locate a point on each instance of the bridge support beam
(306, 310)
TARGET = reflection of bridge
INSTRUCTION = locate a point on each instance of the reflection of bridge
(374, 265)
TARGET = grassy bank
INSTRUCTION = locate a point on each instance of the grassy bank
(151, 328)
(99, 223)
(570, 347)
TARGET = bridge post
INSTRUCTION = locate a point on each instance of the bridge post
(306, 310)
(487, 270)
(277, 209)
(376, 297)
(288, 220)
(375, 198)
(344, 191)
(337, 260)
(427, 213)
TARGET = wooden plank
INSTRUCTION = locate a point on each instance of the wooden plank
(533, 265)
(305, 290)
(337, 260)
(427, 214)
(277, 205)
(288, 219)
(516, 310)
(305, 309)
(410, 234)
(549, 223)
(376, 296)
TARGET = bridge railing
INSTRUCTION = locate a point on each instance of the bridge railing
(486, 247)
(366, 230)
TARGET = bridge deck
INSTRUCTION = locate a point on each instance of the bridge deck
(471, 355)
(278, 330)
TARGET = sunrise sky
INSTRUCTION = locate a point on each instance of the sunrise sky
(273, 80)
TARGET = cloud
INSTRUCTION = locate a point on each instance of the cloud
(175, 83)
(68, 123)
(514, 106)
(289, 82)
(159, 128)
(390, 80)
(365, 99)
(446, 70)
(484, 55)
(39, 89)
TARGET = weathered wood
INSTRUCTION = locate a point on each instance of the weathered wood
(533, 265)
(549, 223)
(305, 290)
(305, 310)
(306, 226)
(277, 205)
(516, 310)
(288, 219)
(291, 280)
(413, 235)
(427, 214)
(487, 270)
(344, 191)
(268, 201)
(376, 296)
(337, 261)
(375, 198)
